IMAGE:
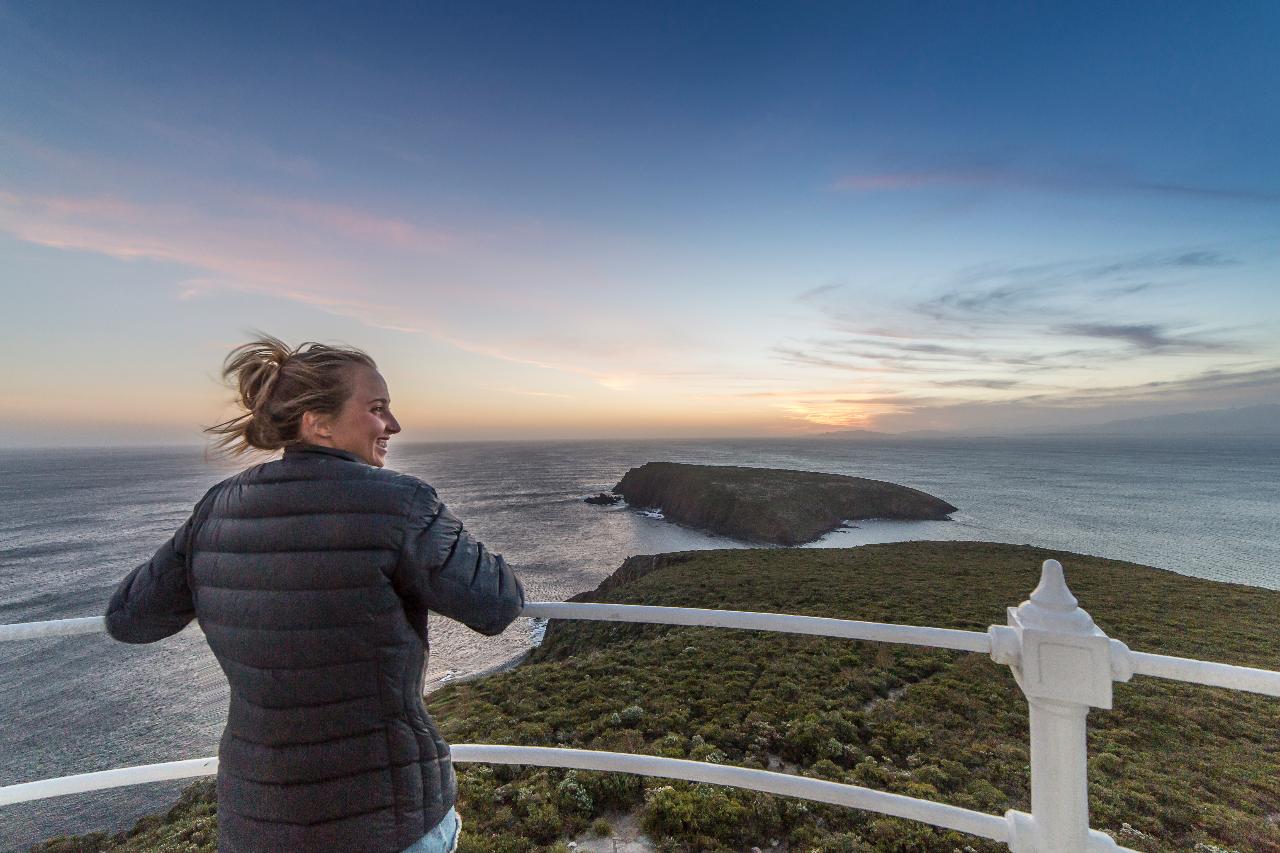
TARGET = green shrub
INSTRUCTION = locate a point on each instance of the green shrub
(692, 811)
(572, 796)
(632, 715)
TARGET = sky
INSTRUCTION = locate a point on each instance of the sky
(598, 220)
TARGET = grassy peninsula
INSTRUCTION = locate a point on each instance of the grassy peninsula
(771, 505)
(1172, 767)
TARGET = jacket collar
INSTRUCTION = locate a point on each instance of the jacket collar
(300, 451)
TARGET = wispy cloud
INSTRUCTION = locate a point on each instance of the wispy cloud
(1241, 384)
(1080, 180)
(381, 271)
(1001, 313)
(869, 354)
(525, 393)
(817, 292)
(1214, 381)
(990, 384)
(174, 234)
(358, 225)
(999, 290)
(1150, 337)
(1057, 335)
(1229, 386)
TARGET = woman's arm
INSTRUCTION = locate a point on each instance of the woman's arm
(443, 568)
(154, 600)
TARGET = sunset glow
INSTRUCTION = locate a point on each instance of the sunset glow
(631, 221)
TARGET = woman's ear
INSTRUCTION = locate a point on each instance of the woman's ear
(316, 426)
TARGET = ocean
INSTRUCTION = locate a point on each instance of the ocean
(74, 522)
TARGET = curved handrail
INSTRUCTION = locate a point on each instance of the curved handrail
(118, 777)
(1015, 829)
(784, 623)
(1190, 670)
(946, 816)
(766, 781)
(1012, 828)
(848, 629)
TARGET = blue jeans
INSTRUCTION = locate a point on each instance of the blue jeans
(442, 839)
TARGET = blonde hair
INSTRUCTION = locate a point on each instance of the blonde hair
(275, 385)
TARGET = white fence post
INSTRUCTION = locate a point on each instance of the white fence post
(1062, 662)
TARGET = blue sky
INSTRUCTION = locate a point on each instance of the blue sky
(642, 219)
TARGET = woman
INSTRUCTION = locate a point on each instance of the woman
(312, 577)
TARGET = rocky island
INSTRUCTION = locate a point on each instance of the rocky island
(771, 505)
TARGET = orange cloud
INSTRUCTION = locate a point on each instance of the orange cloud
(836, 409)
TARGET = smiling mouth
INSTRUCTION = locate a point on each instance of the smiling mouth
(381, 443)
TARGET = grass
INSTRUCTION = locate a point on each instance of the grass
(1171, 767)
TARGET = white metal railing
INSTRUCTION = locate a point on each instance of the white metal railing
(1064, 664)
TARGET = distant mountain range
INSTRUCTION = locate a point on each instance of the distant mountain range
(864, 433)
(1249, 421)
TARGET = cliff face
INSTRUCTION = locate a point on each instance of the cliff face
(632, 569)
(771, 505)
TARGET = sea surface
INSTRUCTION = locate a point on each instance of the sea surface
(74, 522)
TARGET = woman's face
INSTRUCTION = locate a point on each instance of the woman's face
(365, 423)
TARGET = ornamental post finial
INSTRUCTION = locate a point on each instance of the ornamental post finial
(1052, 607)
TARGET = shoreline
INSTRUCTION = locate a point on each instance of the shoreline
(536, 634)
(503, 666)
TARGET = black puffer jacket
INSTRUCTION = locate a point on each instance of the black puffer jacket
(311, 578)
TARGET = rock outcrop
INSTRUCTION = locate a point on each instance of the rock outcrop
(771, 505)
(632, 569)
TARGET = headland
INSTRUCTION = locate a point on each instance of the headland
(770, 505)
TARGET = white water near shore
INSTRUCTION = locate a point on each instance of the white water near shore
(72, 523)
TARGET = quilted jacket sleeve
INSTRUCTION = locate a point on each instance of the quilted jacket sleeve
(154, 600)
(443, 568)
